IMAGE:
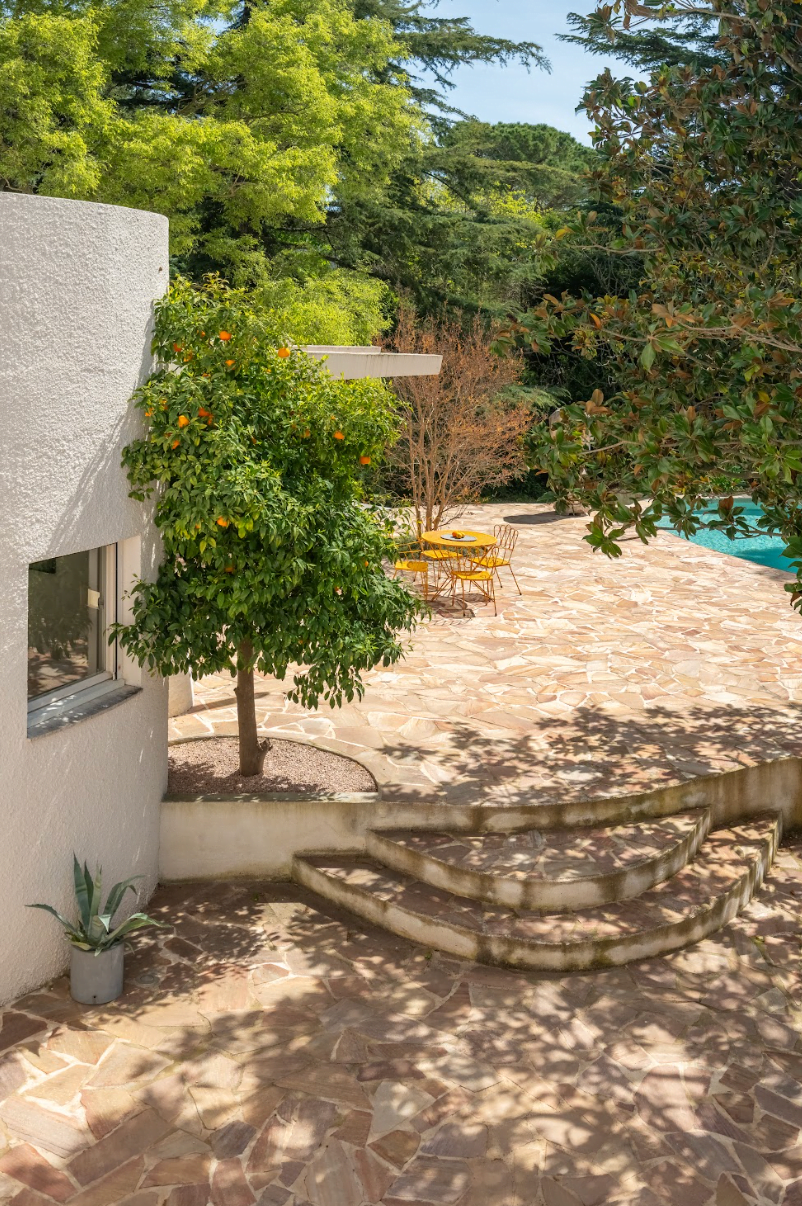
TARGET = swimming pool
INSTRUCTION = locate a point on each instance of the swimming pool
(765, 550)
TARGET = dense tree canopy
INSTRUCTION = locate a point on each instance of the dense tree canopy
(226, 117)
(705, 163)
(247, 124)
(464, 219)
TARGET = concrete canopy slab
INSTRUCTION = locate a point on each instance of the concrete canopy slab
(352, 363)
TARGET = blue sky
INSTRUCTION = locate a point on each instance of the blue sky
(511, 93)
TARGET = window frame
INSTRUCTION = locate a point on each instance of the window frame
(96, 685)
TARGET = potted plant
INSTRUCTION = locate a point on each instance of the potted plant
(98, 950)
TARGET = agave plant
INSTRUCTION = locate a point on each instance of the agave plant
(94, 930)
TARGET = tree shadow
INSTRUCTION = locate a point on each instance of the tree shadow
(321, 1060)
(594, 754)
(538, 517)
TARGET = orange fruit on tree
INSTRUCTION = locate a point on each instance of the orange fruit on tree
(364, 460)
(229, 569)
(225, 336)
(183, 421)
(283, 353)
(203, 413)
(229, 363)
(223, 523)
(178, 347)
(176, 443)
(338, 435)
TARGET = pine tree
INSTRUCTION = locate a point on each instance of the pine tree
(679, 37)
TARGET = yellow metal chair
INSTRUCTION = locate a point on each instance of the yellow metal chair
(440, 561)
(413, 563)
(500, 556)
(476, 576)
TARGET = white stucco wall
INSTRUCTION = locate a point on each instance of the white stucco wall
(77, 283)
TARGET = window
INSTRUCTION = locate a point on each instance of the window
(71, 603)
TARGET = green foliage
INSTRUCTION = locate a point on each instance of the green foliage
(683, 35)
(462, 225)
(94, 929)
(226, 118)
(439, 45)
(705, 163)
(545, 165)
(284, 139)
(256, 457)
(52, 106)
(337, 308)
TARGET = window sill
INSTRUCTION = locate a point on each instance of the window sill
(80, 706)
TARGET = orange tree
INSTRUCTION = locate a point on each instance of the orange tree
(272, 558)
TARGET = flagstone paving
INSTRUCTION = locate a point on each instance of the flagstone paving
(270, 1050)
(566, 854)
(602, 678)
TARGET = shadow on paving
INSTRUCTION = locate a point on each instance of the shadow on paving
(272, 1049)
(537, 518)
(597, 754)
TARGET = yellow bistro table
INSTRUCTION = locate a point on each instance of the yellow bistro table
(445, 542)
(446, 538)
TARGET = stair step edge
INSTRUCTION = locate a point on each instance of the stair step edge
(464, 942)
(557, 893)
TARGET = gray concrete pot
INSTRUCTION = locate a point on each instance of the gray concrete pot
(96, 979)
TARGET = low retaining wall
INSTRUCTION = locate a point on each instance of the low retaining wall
(257, 836)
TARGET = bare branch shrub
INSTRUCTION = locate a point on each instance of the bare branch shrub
(461, 432)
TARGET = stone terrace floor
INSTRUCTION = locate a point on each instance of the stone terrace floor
(271, 1050)
(602, 678)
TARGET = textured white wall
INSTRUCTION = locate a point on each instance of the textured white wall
(77, 284)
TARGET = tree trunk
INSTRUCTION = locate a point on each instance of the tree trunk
(250, 752)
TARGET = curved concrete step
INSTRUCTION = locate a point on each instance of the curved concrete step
(564, 870)
(701, 898)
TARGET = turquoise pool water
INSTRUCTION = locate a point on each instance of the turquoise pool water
(765, 550)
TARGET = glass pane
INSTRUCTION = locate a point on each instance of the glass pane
(65, 620)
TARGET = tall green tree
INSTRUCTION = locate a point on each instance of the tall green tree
(228, 117)
(272, 560)
(705, 163)
(249, 124)
(436, 46)
(463, 222)
(649, 38)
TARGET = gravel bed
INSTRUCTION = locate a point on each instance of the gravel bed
(211, 767)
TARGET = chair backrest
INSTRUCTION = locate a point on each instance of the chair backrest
(408, 546)
(506, 537)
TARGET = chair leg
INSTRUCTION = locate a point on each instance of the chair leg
(515, 580)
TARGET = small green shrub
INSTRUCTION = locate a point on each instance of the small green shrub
(94, 932)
